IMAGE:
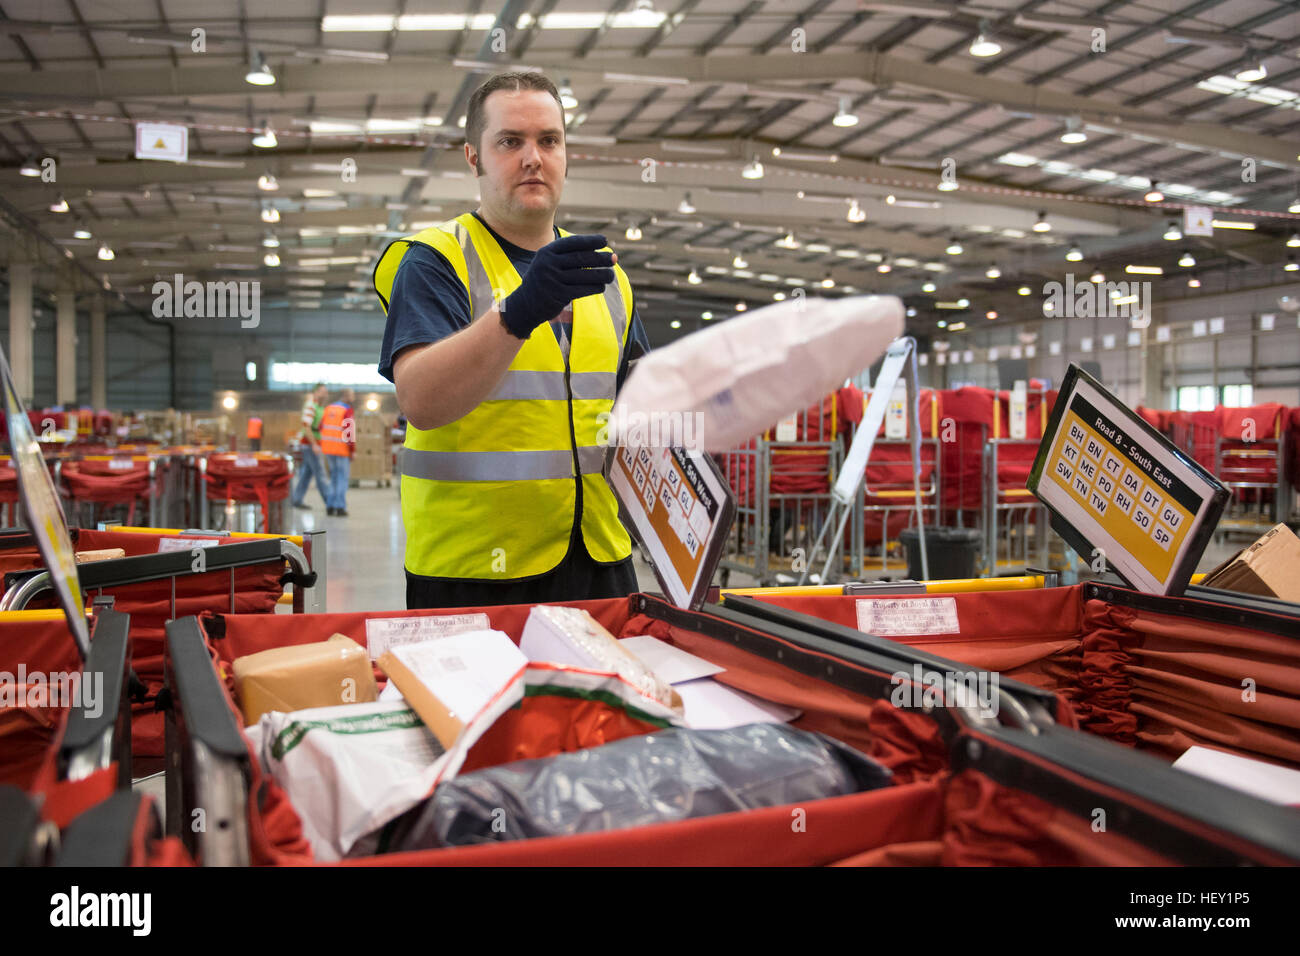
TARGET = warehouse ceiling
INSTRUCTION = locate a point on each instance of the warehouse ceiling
(756, 149)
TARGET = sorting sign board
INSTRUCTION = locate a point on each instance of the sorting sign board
(44, 513)
(680, 509)
(1115, 484)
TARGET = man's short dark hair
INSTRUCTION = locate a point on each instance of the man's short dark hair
(476, 114)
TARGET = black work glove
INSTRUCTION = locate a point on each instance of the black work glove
(566, 269)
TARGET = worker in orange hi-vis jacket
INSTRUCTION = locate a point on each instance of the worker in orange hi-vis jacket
(338, 443)
(254, 433)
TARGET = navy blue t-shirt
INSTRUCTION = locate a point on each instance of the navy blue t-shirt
(428, 303)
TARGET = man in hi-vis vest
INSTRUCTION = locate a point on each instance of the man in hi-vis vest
(507, 338)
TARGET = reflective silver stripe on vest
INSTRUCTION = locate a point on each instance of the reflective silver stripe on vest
(489, 465)
(481, 298)
(593, 384)
(591, 458)
(547, 386)
(617, 309)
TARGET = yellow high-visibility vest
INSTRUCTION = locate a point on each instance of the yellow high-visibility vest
(493, 495)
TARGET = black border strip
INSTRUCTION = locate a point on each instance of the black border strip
(198, 693)
(110, 656)
(102, 835)
(1021, 761)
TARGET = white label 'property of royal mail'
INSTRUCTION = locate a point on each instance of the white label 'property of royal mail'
(893, 617)
(383, 633)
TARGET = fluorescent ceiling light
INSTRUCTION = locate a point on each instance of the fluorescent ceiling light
(1133, 183)
(1269, 95)
(318, 193)
(984, 46)
(680, 147)
(357, 23)
(412, 125)
(1144, 270)
(1187, 260)
(1046, 21)
(266, 139)
(916, 8)
(1231, 224)
(642, 80)
(753, 170)
(1206, 38)
(628, 20)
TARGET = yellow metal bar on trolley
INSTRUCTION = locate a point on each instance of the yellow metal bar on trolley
(47, 614)
(1024, 582)
(248, 535)
(808, 590)
(955, 586)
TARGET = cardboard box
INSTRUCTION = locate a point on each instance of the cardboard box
(1270, 567)
(336, 671)
(448, 680)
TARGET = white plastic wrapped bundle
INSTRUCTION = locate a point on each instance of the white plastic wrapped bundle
(722, 385)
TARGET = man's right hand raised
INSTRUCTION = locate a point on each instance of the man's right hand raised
(563, 270)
